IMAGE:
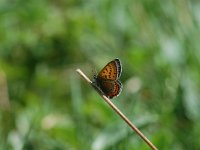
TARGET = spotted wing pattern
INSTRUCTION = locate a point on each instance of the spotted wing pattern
(112, 71)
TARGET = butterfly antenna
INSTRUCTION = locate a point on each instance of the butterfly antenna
(94, 72)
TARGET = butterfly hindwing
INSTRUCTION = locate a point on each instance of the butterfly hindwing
(106, 86)
(116, 90)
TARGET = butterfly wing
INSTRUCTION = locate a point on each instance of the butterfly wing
(117, 88)
(106, 86)
(110, 88)
(119, 67)
(112, 71)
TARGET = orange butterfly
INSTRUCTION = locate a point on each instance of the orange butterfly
(107, 81)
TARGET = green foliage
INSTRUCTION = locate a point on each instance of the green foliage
(45, 105)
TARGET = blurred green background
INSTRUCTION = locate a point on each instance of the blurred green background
(45, 105)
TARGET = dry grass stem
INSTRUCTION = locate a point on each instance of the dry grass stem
(107, 100)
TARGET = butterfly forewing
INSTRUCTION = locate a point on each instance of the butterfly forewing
(111, 71)
(119, 67)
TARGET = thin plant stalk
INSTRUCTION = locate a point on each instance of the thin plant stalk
(107, 100)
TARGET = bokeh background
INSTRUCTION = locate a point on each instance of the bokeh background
(45, 105)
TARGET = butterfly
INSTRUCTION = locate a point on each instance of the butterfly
(107, 81)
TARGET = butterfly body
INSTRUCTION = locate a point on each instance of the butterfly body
(107, 81)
